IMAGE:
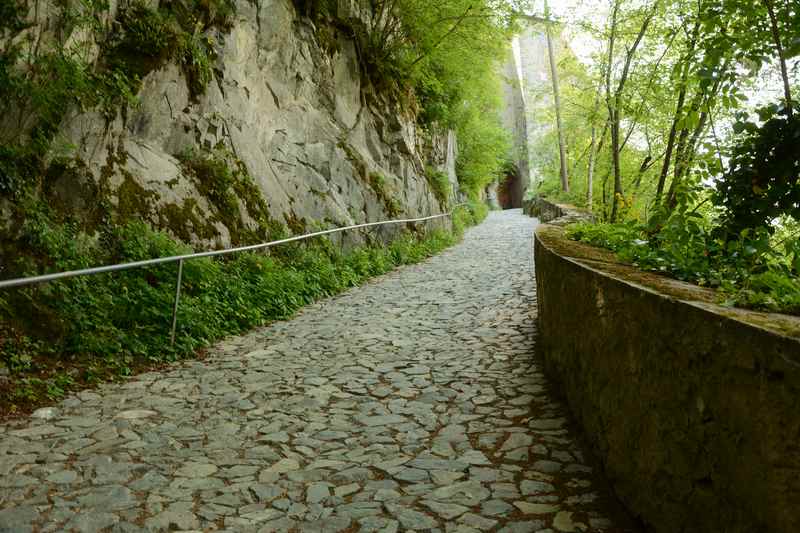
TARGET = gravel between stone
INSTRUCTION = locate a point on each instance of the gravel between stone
(411, 403)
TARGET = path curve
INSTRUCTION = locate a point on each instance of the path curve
(411, 403)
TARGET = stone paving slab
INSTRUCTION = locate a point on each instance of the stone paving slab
(413, 403)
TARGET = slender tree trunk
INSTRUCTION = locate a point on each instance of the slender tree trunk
(615, 103)
(673, 132)
(615, 161)
(611, 118)
(685, 160)
(592, 152)
(776, 37)
(590, 177)
(562, 145)
(687, 146)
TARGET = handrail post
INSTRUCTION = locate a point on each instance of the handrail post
(177, 301)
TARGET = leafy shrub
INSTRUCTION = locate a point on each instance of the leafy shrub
(196, 61)
(764, 177)
(146, 40)
(753, 270)
(440, 184)
(471, 214)
(377, 183)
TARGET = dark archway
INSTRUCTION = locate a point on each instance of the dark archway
(509, 192)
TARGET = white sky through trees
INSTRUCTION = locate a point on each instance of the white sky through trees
(584, 23)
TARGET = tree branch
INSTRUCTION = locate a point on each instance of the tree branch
(444, 37)
(776, 37)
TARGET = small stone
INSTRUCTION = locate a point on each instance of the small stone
(134, 414)
(374, 524)
(468, 493)
(548, 467)
(411, 519)
(535, 526)
(496, 508)
(18, 518)
(114, 497)
(516, 440)
(438, 464)
(281, 437)
(63, 477)
(386, 495)
(563, 522)
(443, 477)
(383, 420)
(536, 508)
(529, 487)
(317, 492)
(413, 475)
(45, 413)
(475, 457)
(284, 465)
(448, 511)
(195, 470)
(520, 454)
(91, 522)
(265, 492)
(178, 516)
(346, 490)
(262, 515)
(477, 521)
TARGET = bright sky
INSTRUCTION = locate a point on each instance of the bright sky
(584, 44)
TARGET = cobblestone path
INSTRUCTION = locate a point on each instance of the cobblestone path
(412, 403)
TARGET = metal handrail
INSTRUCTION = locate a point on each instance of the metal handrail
(44, 278)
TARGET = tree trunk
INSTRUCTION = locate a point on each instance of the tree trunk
(687, 146)
(673, 132)
(562, 146)
(611, 118)
(592, 153)
(776, 37)
(590, 178)
(615, 103)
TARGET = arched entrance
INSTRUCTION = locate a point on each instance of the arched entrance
(509, 192)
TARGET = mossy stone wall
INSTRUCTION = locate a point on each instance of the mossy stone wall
(692, 408)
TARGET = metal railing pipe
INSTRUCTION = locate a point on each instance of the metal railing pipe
(45, 278)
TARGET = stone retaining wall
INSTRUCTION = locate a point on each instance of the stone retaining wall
(694, 409)
(559, 214)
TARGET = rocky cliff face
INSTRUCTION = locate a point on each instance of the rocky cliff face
(320, 147)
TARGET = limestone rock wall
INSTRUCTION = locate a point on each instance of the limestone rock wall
(691, 407)
(322, 148)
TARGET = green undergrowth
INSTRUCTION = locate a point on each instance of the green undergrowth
(71, 334)
(758, 270)
(440, 184)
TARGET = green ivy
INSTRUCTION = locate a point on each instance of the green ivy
(108, 325)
